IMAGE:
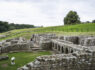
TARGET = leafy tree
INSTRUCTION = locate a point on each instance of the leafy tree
(71, 18)
(93, 21)
(87, 22)
(5, 26)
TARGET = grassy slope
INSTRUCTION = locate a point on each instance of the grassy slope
(22, 58)
(68, 30)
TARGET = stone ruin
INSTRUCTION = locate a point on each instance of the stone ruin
(12, 45)
(71, 53)
(44, 41)
(80, 61)
(4, 57)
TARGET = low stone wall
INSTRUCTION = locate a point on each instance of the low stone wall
(46, 45)
(73, 39)
(18, 47)
(5, 49)
(2, 36)
(4, 57)
(17, 44)
(81, 40)
(89, 41)
(15, 47)
(75, 61)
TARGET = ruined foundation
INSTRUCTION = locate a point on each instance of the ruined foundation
(17, 44)
(72, 53)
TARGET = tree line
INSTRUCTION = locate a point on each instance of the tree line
(6, 26)
(73, 18)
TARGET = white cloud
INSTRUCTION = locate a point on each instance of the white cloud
(21, 13)
(44, 12)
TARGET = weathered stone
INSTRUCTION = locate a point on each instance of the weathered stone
(17, 44)
(4, 57)
(43, 40)
(75, 52)
(73, 39)
(46, 45)
(74, 55)
(23, 68)
(2, 36)
(89, 41)
(9, 40)
(5, 49)
(14, 41)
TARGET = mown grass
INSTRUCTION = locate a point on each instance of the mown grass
(78, 29)
(22, 58)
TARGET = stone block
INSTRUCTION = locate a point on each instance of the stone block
(73, 39)
(23, 68)
(4, 57)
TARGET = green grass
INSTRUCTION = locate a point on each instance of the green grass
(78, 29)
(22, 58)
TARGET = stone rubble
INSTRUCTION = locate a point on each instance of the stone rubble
(4, 57)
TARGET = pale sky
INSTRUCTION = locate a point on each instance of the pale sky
(44, 12)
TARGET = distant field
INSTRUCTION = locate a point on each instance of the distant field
(22, 58)
(78, 29)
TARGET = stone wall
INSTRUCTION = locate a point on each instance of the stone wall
(90, 41)
(46, 45)
(75, 61)
(16, 44)
(73, 39)
(5, 49)
(18, 47)
(62, 46)
(75, 53)
(80, 40)
(43, 40)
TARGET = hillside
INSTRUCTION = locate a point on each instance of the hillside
(78, 29)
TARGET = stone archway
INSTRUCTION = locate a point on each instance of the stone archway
(71, 50)
(58, 47)
(66, 51)
(52, 44)
(62, 49)
(55, 46)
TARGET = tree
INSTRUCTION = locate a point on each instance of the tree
(87, 22)
(71, 18)
(93, 21)
(6, 26)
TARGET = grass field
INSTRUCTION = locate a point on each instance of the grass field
(22, 58)
(78, 29)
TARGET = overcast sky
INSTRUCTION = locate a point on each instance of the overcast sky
(44, 12)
